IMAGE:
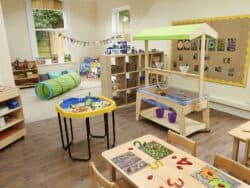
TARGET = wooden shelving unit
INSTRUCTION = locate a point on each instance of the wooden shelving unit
(13, 129)
(121, 75)
(25, 75)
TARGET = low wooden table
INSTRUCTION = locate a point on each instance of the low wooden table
(241, 134)
(68, 115)
(150, 162)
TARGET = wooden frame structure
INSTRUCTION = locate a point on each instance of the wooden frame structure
(181, 32)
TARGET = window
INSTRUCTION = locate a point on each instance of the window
(121, 20)
(48, 22)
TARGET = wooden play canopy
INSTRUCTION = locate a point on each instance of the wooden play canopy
(178, 32)
(185, 126)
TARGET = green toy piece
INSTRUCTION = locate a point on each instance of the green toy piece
(218, 183)
(89, 101)
(155, 150)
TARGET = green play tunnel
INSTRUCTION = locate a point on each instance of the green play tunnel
(54, 87)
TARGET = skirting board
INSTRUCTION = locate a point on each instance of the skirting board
(243, 113)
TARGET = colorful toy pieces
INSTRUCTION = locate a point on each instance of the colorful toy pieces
(153, 149)
(210, 177)
(129, 162)
(162, 92)
(85, 104)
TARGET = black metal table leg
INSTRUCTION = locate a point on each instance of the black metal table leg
(96, 136)
(88, 136)
(61, 132)
(68, 144)
(106, 128)
(71, 128)
(106, 124)
(113, 122)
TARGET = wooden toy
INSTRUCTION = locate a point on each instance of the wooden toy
(179, 100)
(179, 183)
(155, 165)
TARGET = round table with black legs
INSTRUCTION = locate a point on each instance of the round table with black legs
(65, 117)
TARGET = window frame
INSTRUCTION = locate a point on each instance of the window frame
(115, 19)
(32, 30)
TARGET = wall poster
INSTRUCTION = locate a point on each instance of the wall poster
(227, 58)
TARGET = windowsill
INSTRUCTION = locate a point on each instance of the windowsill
(54, 64)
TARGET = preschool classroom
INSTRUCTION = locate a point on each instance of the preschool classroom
(124, 94)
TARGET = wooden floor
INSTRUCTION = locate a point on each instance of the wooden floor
(39, 160)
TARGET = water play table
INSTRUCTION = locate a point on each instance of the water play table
(84, 108)
(182, 101)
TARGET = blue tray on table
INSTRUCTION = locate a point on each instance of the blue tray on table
(176, 95)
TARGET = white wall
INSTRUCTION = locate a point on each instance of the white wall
(81, 24)
(153, 13)
(6, 77)
(15, 18)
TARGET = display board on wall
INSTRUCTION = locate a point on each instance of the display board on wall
(227, 58)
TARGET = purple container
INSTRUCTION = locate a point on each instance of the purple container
(172, 117)
(159, 112)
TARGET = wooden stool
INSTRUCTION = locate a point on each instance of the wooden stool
(241, 133)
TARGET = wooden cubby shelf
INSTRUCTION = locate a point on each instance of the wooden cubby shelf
(10, 124)
(121, 75)
(25, 74)
(14, 126)
(10, 111)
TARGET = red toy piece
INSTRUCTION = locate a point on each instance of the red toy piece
(179, 167)
(128, 169)
(221, 185)
(163, 93)
(184, 161)
(178, 184)
(150, 177)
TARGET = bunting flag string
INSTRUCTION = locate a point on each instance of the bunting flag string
(91, 43)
